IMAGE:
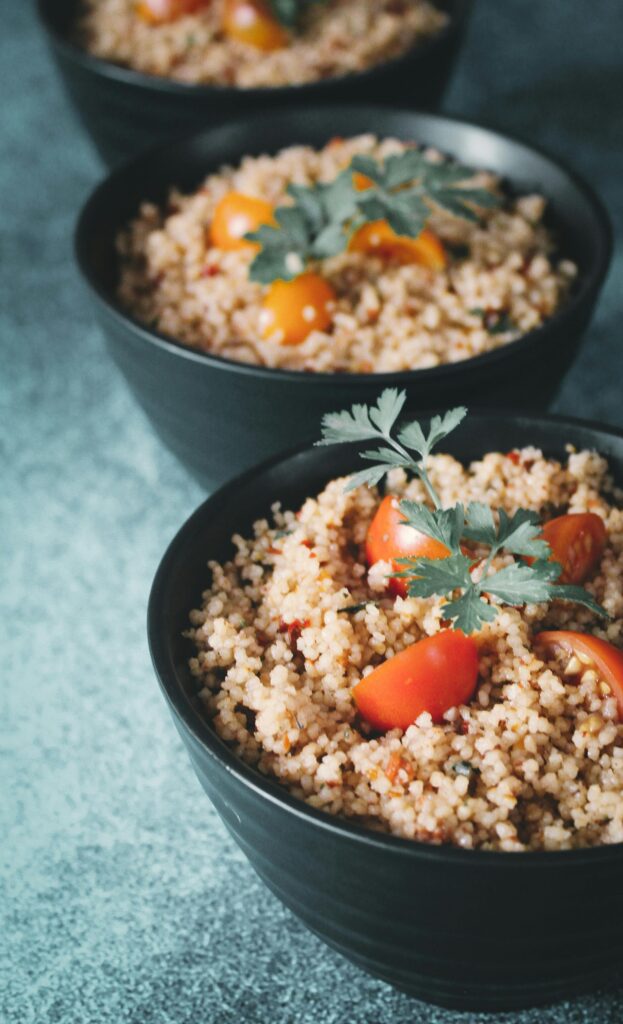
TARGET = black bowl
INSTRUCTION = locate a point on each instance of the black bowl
(462, 928)
(123, 110)
(191, 397)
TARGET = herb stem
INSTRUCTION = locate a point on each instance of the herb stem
(418, 468)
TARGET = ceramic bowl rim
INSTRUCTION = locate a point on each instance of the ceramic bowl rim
(265, 788)
(105, 69)
(589, 282)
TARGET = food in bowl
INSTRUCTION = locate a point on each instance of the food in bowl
(470, 694)
(255, 43)
(364, 256)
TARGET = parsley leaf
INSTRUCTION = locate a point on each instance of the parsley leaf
(470, 602)
(362, 423)
(440, 426)
(444, 525)
(519, 533)
(428, 576)
(404, 189)
(469, 612)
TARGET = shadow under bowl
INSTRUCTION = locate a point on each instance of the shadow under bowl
(466, 929)
(123, 111)
(221, 416)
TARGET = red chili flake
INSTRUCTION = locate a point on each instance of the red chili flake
(211, 270)
(294, 630)
(273, 551)
(307, 543)
(396, 764)
(514, 457)
(337, 140)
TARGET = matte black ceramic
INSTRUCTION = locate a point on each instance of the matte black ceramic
(124, 111)
(465, 929)
(220, 416)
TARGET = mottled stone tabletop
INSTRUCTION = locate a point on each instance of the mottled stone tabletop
(125, 899)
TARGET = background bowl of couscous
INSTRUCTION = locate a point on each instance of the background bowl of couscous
(189, 393)
(124, 107)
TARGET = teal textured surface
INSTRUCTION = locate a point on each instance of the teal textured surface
(125, 898)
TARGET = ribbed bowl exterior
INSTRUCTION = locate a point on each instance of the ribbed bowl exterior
(189, 395)
(470, 930)
(123, 112)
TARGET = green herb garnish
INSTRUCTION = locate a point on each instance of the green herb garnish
(290, 12)
(352, 608)
(404, 190)
(469, 601)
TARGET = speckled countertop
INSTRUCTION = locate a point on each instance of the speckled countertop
(125, 899)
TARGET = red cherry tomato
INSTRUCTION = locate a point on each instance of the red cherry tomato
(251, 22)
(577, 541)
(293, 309)
(433, 675)
(156, 12)
(235, 216)
(591, 653)
(389, 538)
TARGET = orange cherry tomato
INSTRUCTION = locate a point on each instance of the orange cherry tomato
(591, 653)
(577, 541)
(389, 539)
(434, 675)
(361, 181)
(293, 309)
(378, 239)
(234, 217)
(251, 22)
(158, 11)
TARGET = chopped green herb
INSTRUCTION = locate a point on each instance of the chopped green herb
(282, 533)
(290, 12)
(352, 608)
(404, 190)
(500, 323)
(465, 768)
(458, 250)
(469, 600)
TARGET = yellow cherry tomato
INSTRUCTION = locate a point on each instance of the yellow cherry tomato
(234, 217)
(251, 22)
(293, 309)
(155, 12)
(378, 239)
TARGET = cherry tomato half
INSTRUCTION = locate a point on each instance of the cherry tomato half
(389, 539)
(361, 181)
(434, 675)
(378, 239)
(577, 541)
(251, 22)
(591, 653)
(235, 215)
(293, 309)
(155, 12)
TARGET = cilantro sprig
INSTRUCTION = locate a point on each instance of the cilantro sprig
(472, 597)
(404, 190)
